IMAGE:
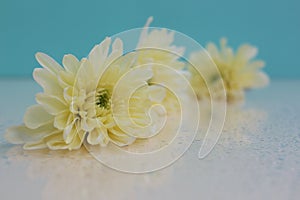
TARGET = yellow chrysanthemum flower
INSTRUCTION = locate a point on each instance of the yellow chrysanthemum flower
(76, 103)
(239, 71)
(156, 48)
(158, 39)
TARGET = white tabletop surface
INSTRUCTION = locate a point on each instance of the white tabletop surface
(257, 157)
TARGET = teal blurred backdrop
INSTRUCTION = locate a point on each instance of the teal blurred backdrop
(58, 27)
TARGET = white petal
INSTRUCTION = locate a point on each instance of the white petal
(223, 43)
(76, 142)
(36, 116)
(120, 138)
(66, 79)
(117, 51)
(88, 124)
(86, 77)
(48, 81)
(144, 32)
(156, 93)
(56, 142)
(97, 136)
(139, 75)
(256, 64)
(70, 132)
(213, 50)
(246, 52)
(48, 62)
(61, 120)
(35, 145)
(99, 53)
(261, 80)
(68, 94)
(51, 104)
(117, 45)
(71, 63)
(21, 134)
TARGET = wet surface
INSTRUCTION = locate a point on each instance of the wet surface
(257, 157)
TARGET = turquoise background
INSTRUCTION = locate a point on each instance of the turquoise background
(58, 27)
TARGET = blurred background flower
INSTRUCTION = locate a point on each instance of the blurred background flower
(237, 70)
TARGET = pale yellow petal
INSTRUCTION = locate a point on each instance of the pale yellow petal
(51, 104)
(21, 134)
(66, 79)
(88, 124)
(260, 80)
(86, 79)
(48, 63)
(119, 138)
(76, 142)
(61, 120)
(99, 53)
(213, 50)
(70, 132)
(68, 93)
(227, 54)
(48, 81)
(139, 75)
(257, 64)
(98, 136)
(156, 93)
(144, 32)
(71, 63)
(246, 52)
(56, 142)
(37, 116)
(35, 145)
(117, 47)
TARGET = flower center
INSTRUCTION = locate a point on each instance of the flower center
(102, 99)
